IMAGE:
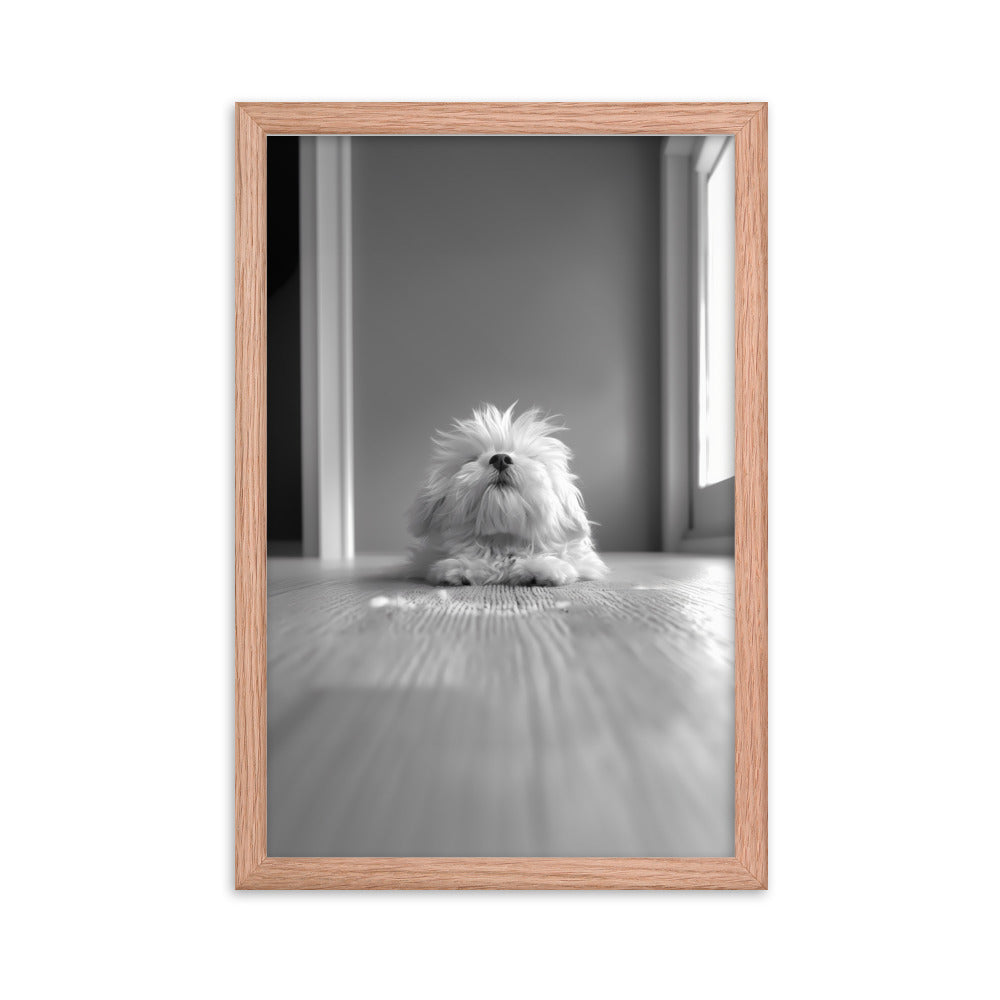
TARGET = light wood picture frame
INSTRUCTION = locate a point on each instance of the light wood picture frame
(747, 869)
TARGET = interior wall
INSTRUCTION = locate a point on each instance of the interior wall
(495, 269)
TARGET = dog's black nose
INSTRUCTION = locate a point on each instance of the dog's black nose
(501, 461)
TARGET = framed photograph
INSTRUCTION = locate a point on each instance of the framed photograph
(501, 496)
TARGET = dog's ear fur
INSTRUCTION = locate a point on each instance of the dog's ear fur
(424, 511)
(573, 521)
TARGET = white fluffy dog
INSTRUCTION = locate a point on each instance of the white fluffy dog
(501, 506)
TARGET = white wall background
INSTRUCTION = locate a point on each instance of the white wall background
(489, 270)
(117, 568)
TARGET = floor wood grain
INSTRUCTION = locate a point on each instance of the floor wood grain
(590, 720)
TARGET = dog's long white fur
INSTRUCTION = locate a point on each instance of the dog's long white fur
(524, 526)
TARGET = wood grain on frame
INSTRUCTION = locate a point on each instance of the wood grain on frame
(751, 495)
(500, 119)
(501, 873)
(748, 869)
(251, 497)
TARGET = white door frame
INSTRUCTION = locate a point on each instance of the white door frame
(327, 336)
(676, 305)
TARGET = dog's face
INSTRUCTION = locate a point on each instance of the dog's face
(496, 477)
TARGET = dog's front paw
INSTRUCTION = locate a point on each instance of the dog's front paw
(452, 572)
(544, 571)
(458, 573)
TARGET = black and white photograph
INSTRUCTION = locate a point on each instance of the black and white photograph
(466, 536)
(500, 496)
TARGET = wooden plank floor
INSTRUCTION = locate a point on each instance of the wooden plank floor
(590, 720)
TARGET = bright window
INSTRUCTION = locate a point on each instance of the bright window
(717, 340)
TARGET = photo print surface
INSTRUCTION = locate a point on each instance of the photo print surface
(500, 494)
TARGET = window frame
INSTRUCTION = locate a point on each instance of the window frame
(712, 507)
